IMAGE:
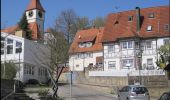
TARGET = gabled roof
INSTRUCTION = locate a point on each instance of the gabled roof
(32, 26)
(117, 24)
(93, 34)
(11, 29)
(35, 30)
(35, 4)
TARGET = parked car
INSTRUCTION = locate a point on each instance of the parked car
(133, 92)
(165, 96)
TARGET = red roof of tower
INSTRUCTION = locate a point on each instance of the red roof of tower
(35, 4)
(35, 30)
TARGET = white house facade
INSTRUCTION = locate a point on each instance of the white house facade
(86, 50)
(124, 55)
(131, 40)
(33, 60)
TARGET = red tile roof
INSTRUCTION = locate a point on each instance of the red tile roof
(35, 30)
(87, 35)
(32, 26)
(11, 29)
(126, 29)
(35, 4)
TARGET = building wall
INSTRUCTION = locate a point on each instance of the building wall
(119, 54)
(79, 63)
(33, 55)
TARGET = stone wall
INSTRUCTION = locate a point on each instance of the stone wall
(155, 84)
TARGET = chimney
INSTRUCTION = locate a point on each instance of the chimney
(137, 19)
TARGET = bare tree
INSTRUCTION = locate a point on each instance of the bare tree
(65, 23)
(98, 22)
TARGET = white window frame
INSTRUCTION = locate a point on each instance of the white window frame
(126, 45)
(2, 43)
(150, 63)
(10, 45)
(111, 64)
(126, 62)
(88, 44)
(18, 46)
(148, 46)
(111, 48)
(151, 15)
(82, 45)
(166, 41)
(166, 27)
(130, 18)
(29, 69)
(149, 28)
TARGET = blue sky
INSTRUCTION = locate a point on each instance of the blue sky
(12, 10)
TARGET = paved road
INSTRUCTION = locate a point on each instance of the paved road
(83, 93)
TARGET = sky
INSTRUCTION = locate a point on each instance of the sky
(12, 10)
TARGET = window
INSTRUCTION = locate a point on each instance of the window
(2, 45)
(148, 44)
(130, 18)
(111, 64)
(89, 55)
(81, 45)
(166, 41)
(42, 72)
(9, 46)
(29, 69)
(77, 65)
(137, 45)
(149, 61)
(166, 27)
(127, 63)
(88, 44)
(149, 28)
(124, 45)
(18, 48)
(151, 15)
(110, 48)
(130, 44)
(127, 45)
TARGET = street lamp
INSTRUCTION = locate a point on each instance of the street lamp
(5, 49)
(19, 50)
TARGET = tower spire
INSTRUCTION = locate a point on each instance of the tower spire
(35, 4)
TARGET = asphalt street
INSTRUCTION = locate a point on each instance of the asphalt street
(82, 93)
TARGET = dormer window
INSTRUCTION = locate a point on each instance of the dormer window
(166, 27)
(85, 44)
(88, 44)
(149, 28)
(130, 18)
(151, 15)
(81, 45)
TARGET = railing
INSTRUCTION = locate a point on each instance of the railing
(5, 98)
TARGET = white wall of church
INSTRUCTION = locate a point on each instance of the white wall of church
(33, 55)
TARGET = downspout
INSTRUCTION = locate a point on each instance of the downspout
(138, 23)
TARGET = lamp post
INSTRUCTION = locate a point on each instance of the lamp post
(20, 50)
(5, 49)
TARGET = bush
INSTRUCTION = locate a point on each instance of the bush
(10, 70)
(33, 81)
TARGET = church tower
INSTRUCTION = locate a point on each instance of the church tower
(35, 15)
